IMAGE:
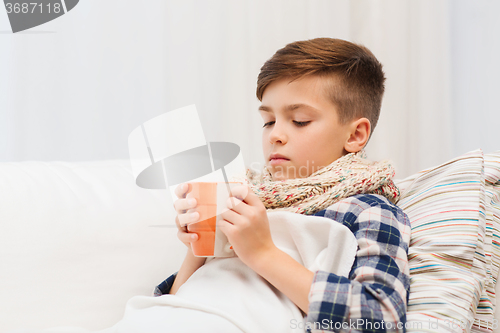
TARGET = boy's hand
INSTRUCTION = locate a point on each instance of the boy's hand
(246, 225)
(186, 214)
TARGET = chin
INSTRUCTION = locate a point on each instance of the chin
(276, 178)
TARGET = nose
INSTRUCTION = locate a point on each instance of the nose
(278, 134)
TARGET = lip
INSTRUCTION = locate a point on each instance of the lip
(278, 156)
(275, 161)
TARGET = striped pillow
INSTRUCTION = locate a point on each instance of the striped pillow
(448, 270)
(484, 321)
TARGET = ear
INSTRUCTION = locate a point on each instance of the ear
(359, 133)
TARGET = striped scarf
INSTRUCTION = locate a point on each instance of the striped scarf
(349, 175)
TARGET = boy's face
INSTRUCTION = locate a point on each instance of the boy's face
(301, 124)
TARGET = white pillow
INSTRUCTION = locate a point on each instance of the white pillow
(77, 240)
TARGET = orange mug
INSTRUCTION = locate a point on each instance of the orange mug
(211, 200)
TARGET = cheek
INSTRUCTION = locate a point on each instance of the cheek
(266, 146)
(318, 145)
(326, 135)
(312, 139)
(265, 141)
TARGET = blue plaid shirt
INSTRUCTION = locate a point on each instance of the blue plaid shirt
(375, 295)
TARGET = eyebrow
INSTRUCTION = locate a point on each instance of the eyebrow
(289, 108)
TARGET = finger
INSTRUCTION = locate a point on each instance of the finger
(180, 228)
(235, 204)
(231, 217)
(182, 189)
(182, 205)
(240, 192)
(191, 216)
(247, 194)
(226, 227)
(187, 237)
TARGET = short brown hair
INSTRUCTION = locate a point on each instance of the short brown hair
(357, 77)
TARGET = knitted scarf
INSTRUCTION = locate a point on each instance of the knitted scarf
(349, 175)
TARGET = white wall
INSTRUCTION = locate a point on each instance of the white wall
(74, 88)
(476, 75)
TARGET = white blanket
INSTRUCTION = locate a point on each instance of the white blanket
(225, 295)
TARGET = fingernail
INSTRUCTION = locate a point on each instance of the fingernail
(192, 202)
(194, 216)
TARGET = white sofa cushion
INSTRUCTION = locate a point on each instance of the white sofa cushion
(77, 241)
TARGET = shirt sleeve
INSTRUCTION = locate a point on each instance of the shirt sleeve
(164, 287)
(374, 297)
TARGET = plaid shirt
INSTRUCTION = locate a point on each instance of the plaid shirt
(375, 296)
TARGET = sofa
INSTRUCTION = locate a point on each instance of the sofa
(78, 239)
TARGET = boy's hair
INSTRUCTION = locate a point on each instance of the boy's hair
(357, 78)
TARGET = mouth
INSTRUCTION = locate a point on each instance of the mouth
(278, 156)
(277, 159)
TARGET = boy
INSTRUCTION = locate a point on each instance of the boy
(321, 100)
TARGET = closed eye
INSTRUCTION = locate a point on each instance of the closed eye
(301, 123)
(298, 123)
